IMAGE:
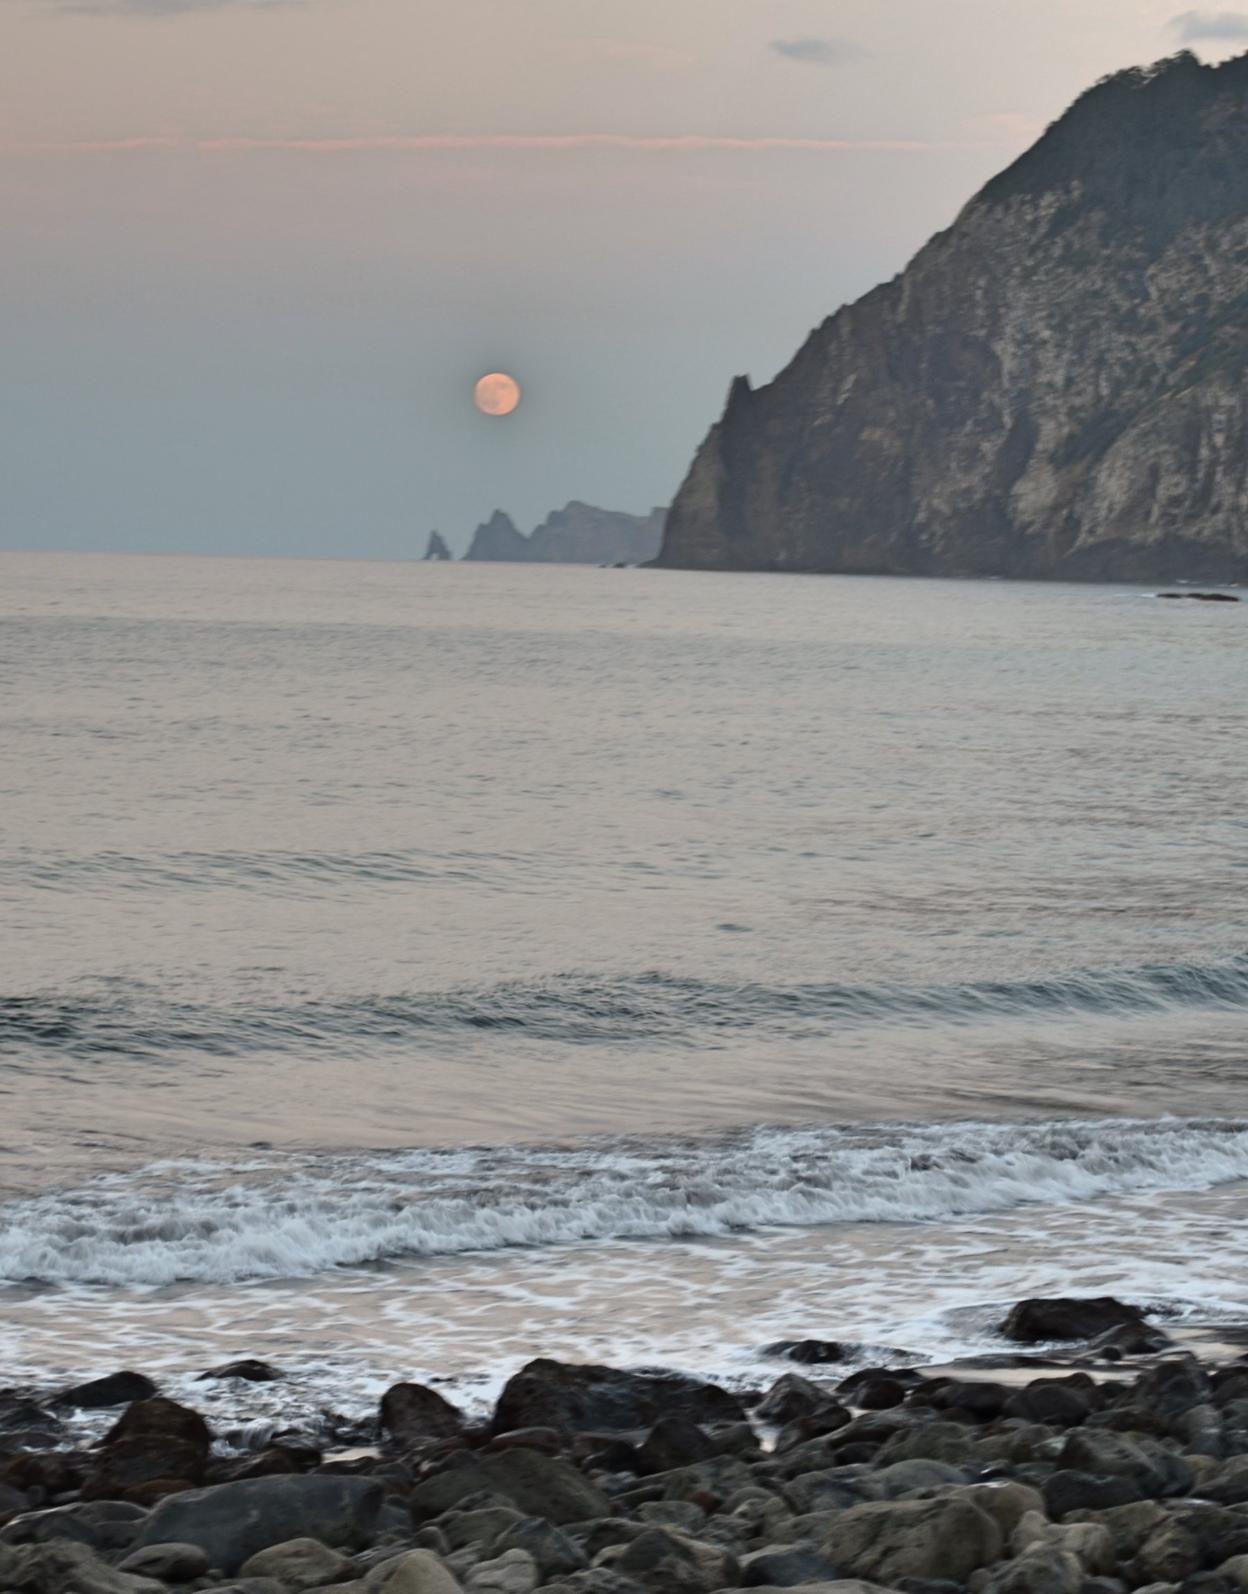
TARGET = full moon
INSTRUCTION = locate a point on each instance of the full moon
(496, 394)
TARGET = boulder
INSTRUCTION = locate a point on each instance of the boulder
(792, 1397)
(248, 1371)
(413, 1572)
(786, 1566)
(118, 1389)
(1071, 1490)
(574, 1398)
(674, 1442)
(480, 1527)
(888, 1540)
(536, 1484)
(1038, 1320)
(298, 1565)
(810, 1352)
(667, 1562)
(63, 1567)
(1229, 1485)
(513, 1572)
(167, 1563)
(555, 1553)
(231, 1522)
(101, 1524)
(412, 1412)
(160, 1419)
(1155, 1471)
(1042, 1570)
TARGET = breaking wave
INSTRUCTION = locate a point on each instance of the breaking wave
(281, 1217)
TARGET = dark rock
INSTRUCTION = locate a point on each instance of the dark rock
(787, 1566)
(230, 1522)
(248, 1370)
(1044, 1569)
(103, 1525)
(1203, 597)
(555, 1553)
(437, 548)
(538, 1485)
(411, 1412)
(144, 1470)
(271, 1462)
(674, 1442)
(878, 1394)
(888, 1540)
(1172, 1387)
(792, 1397)
(548, 1440)
(118, 1389)
(1130, 1339)
(671, 1563)
(827, 1421)
(573, 1397)
(1038, 1320)
(1069, 1490)
(982, 1401)
(170, 1563)
(810, 1352)
(1154, 1470)
(1049, 1401)
(160, 1419)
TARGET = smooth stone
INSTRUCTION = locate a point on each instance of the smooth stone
(513, 1572)
(413, 1572)
(786, 1566)
(1066, 1318)
(118, 1389)
(538, 1485)
(582, 1398)
(555, 1552)
(169, 1563)
(299, 1564)
(888, 1540)
(64, 1567)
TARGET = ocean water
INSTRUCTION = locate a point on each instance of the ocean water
(410, 969)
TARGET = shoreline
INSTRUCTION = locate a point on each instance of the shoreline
(1096, 1452)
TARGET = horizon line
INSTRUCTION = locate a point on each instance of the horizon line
(452, 143)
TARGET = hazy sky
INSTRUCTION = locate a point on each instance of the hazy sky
(256, 252)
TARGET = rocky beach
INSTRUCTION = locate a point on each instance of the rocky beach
(1095, 1453)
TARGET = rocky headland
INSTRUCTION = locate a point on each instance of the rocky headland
(1057, 386)
(1116, 1461)
(577, 534)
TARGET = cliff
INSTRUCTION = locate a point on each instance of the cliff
(578, 534)
(498, 540)
(1057, 386)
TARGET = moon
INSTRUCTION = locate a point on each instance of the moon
(496, 394)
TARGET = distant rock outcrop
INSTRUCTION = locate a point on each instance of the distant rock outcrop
(1057, 386)
(498, 540)
(437, 548)
(577, 534)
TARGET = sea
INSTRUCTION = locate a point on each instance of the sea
(411, 969)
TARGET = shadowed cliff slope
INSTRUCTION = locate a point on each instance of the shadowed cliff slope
(577, 534)
(1056, 386)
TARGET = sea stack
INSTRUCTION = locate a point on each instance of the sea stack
(1055, 387)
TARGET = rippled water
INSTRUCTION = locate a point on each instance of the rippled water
(400, 916)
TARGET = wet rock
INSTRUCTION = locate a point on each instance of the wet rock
(535, 1484)
(933, 1441)
(248, 1370)
(1070, 1490)
(1229, 1485)
(159, 1418)
(103, 1525)
(792, 1397)
(674, 1442)
(555, 1553)
(1202, 597)
(412, 1412)
(888, 1540)
(548, 1439)
(513, 1572)
(118, 1389)
(168, 1563)
(983, 1401)
(575, 1398)
(876, 1394)
(787, 1566)
(273, 1461)
(1172, 1387)
(144, 1471)
(1155, 1471)
(1049, 1401)
(1038, 1320)
(231, 1522)
(298, 1565)
(1129, 1339)
(810, 1352)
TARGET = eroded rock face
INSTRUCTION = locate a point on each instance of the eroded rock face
(1054, 387)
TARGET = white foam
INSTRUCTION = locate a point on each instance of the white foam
(287, 1218)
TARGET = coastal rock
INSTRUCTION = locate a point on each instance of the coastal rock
(535, 1484)
(575, 1397)
(231, 1522)
(412, 1412)
(101, 1524)
(298, 1565)
(889, 1540)
(555, 1552)
(1055, 386)
(118, 1389)
(1036, 1321)
(810, 1352)
(786, 1566)
(667, 1562)
(1042, 1570)
(157, 1447)
(578, 534)
(248, 1370)
(167, 1563)
(413, 1572)
(1070, 1490)
(512, 1572)
(437, 548)
(1155, 1471)
(793, 1396)
(674, 1442)
(63, 1567)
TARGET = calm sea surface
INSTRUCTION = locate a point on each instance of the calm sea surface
(409, 968)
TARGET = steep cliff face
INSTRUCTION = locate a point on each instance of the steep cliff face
(1057, 385)
(580, 534)
(497, 539)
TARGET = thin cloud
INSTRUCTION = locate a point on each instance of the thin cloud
(450, 143)
(817, 52)
(1194, 26)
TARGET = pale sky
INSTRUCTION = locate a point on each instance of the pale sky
(256, 252)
